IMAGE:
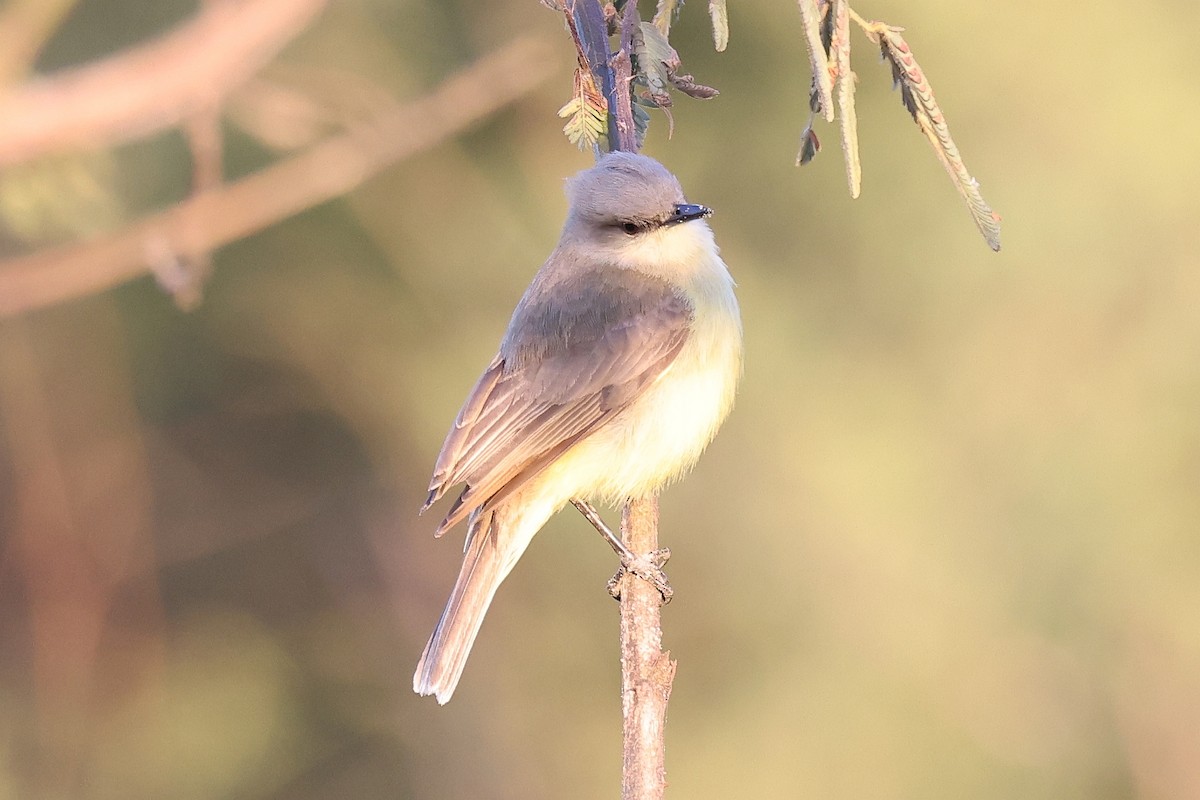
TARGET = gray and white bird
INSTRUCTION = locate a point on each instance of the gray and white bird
(618, 366)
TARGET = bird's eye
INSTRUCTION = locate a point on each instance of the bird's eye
(630, 227)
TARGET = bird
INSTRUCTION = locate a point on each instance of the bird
(619, 364)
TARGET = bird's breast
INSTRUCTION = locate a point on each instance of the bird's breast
(662, 434)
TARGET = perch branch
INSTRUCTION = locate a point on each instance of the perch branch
(216, 217)
(646, 671)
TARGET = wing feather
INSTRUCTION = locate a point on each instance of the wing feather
(577, 354)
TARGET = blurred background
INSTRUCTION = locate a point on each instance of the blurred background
(947, 546)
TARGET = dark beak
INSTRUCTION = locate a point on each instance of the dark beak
(686, 212)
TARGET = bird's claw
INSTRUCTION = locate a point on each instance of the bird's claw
(648, 568)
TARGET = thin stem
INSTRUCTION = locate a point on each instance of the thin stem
(646, 671)
(622, 63)
(866, 25)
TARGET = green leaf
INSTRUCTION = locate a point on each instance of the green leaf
(586, 113)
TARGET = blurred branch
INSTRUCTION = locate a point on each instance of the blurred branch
(332, 168)
(25, 26)
(184, 278)
(47, 547)
(203, 132)
(289, 107)
(79, 536)
(152, 86)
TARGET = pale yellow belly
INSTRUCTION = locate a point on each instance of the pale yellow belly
(661, 435)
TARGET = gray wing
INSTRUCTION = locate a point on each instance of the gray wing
(577, 353)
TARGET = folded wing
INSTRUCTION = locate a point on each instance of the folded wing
(577, 353)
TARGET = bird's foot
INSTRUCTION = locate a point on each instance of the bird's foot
(648, 568)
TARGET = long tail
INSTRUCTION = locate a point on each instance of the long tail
(496, 540)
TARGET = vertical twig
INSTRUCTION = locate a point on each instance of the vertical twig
(80, 540)
(622, 68)
(183, 275)
(646, 671)
(591, 37)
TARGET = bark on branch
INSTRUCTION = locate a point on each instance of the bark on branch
(647, 672)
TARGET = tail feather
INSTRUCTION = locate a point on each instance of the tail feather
(484, 568)
(496, 538)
